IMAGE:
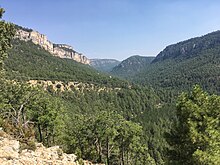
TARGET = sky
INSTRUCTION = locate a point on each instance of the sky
(116, 29)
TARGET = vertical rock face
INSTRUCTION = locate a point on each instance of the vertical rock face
(59, 50)
(66, 51)
(40, 39)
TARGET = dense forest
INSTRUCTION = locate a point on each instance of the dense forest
(131, 123)
(131, 66)
(198, 62)
(180, 66)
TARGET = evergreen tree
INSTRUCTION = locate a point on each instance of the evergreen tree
(197, 135)
(6, 34)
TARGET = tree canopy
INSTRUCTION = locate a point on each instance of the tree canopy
(6, 34)
(196, 137)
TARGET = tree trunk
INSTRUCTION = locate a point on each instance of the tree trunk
(40, 133)
(47, 137)
(108, 152)
(100, 151)
(122, 156)
(127, 157)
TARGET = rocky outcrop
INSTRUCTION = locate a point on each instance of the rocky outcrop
(10, 154)
(59, 50)
(66, 51)
(69, 86)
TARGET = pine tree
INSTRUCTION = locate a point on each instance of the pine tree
(196, 137)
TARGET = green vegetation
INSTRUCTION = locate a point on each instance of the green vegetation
(6, 33)
(126, 124)
(102, 132)
(105, 136)
(189, 48)
(131, 66)
(178, 67)
(105, 111)
(173, 76)
(196, 137)
(95, 126)
(29, 61)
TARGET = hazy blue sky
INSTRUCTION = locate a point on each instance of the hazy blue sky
(116, 28)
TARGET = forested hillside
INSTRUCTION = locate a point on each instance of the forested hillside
(131, 66)
(189, 48)
(177, 68)
(180, 66)
(29, 61)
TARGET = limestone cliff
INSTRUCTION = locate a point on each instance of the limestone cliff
(59, 50)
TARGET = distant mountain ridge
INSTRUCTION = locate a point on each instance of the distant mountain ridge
(131, 66)
(180, 66)
(58, 50)
(189, 48)
(104, 65)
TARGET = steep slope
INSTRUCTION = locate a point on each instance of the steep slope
(131, 66)
(104, 65)
(180, 66)
(29, 61)
(189, 48)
